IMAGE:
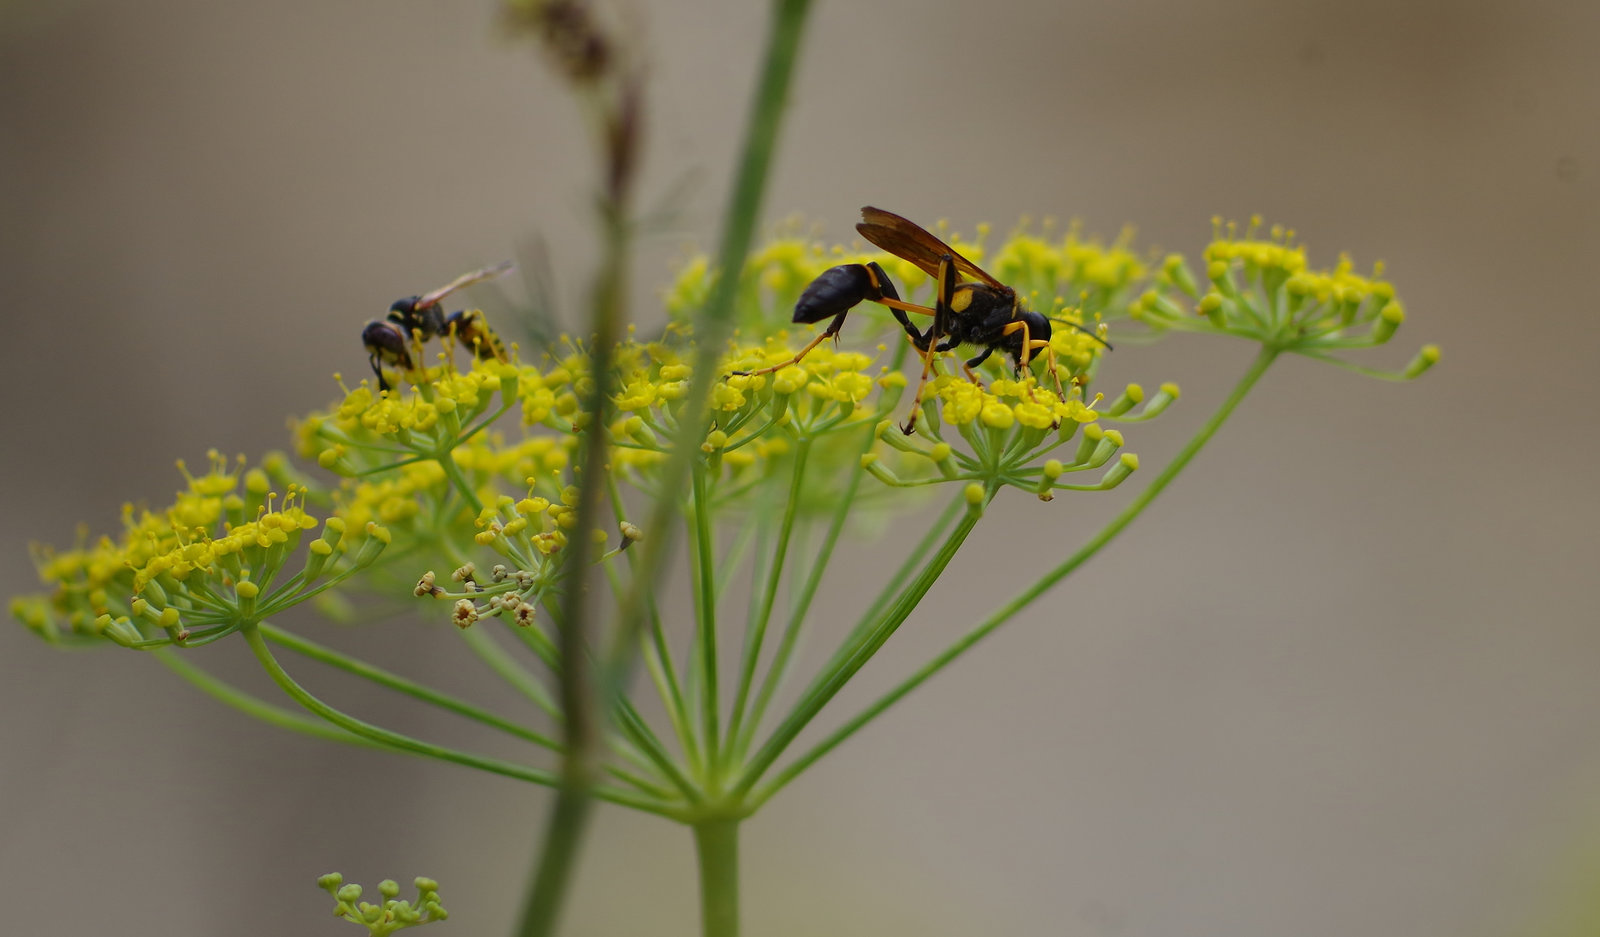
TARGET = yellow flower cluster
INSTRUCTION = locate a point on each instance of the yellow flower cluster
(1263, 288)
(195, 550)
(523, 529)
(429, 456)
(1050, 270)
(1277, 252)
(526, 461)
(88, 572)
(1342, 286)
(1066, 266)
(1315, 303)
(201, 560)
(1005, 403)
(394, 499)
(429, 418)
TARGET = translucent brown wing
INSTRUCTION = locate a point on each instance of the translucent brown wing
(909, 241)
(462, 282)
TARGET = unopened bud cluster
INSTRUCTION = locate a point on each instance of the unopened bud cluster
(394, 913)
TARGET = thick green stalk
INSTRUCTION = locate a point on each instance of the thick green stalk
(563, 834)
(571, 810)
(584, 700)
(1003, 614)
(716, 324)
(717, 846)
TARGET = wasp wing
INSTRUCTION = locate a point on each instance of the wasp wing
(462, 282)
(909, 241)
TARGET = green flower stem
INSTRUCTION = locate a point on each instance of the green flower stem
(638, 782)
(762, 506)
(1257, 368)
(769, 594)
(658, 657)
(276, 600)
(394, 740)
(632, 724)
(658, 662)
(713, 328)
(493, 655)
(452, 471)
(832, 678)
(705, 594)
(251, 706)
(717, 847)
(539, 645)
(486, 422)
(779, 665)
(568, 819)
(514, 674)
(645, 736)
(585, 695)
(639, 733)
(1397, 376)
(929, 540)
(563, 834)
(383, 678)
(737, 552)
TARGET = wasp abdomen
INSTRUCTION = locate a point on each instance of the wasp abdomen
(837, 290)
(474, 333)
(386, 341)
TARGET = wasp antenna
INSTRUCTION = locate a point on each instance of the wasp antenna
(1089, 332)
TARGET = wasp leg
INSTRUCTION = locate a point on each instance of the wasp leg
(899, 305)
(938, 334)
(972, 363)
(837, 291)
(383, 383)
(1025, 355)
(386, 344)
(881, 290)
(830, 332)
(1050, 363)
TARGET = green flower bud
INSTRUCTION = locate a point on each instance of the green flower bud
(1425, 359)
(1130, 397)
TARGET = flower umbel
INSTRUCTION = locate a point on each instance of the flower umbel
(1262, 289)
(198, 570)
(473, 475)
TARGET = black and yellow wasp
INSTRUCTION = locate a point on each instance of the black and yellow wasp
(970, 307)
(415, 319)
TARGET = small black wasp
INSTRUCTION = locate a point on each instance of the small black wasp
(415, 319)
(978, 310)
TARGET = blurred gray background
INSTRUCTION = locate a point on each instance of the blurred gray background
(1341, 679)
